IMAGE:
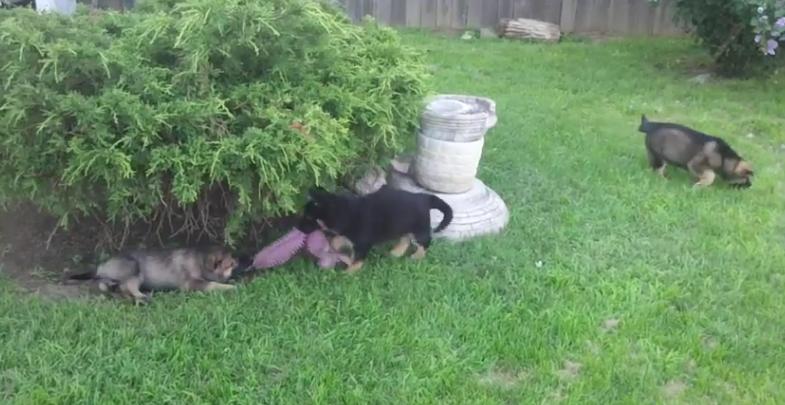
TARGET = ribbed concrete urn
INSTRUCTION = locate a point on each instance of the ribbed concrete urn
(449, 150)
(450, 142)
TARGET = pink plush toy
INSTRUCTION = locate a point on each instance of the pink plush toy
(285, 248)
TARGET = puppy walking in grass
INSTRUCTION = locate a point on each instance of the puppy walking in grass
(184, 269)
(704, 156)
(387, 214)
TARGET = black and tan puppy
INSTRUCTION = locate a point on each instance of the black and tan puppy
(169, 269)
(704, 156)
(385, 215)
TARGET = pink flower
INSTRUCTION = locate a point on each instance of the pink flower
(780, 23)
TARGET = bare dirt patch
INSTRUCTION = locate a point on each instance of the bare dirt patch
(570, 371)
(610, 325)
(673, 389)
(710, 343)
(36, 266)
(593, 348)
(503, 378)
(26, 259)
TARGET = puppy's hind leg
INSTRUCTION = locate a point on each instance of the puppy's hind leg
(107, 286)
(402, 246)
(423, 241)
(656, 163)
(131, 288)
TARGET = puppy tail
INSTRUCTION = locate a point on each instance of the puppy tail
(646, 125)
(445, 209)
(88, 275)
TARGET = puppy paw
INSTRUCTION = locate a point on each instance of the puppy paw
(397, 253)
(221, 287)
(142, 301)
(741, 183)
(401, 247)
(354, 268)
(419, 254)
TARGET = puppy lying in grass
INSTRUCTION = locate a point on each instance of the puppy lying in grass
(387, 214)
(704, 156)
(170, 269)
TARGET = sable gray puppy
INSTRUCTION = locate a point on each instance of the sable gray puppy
(704, 156)
(186, 269)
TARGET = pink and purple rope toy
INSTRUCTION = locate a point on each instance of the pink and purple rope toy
(289, 245)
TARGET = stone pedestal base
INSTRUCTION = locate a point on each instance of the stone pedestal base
(479, 211)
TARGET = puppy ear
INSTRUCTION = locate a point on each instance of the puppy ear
(213, 260)
(218, 258)
(317, 193)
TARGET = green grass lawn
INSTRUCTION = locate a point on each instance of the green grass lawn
(610, 284)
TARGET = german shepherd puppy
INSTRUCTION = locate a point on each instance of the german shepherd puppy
(704, 156)
(384, 215)
(186, 269)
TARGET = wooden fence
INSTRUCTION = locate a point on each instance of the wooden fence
(618, 17)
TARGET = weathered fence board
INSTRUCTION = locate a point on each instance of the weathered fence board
(618, 13)
(490, 13)
(620, 17)
(398, 12)
(412, 10)
(623, 17)
(474, 13)
(428, 9)
(664, 24)
(568, 10)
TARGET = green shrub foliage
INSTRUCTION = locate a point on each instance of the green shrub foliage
(219, 112)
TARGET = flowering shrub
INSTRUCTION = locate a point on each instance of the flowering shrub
(740, 34)
(769, 26)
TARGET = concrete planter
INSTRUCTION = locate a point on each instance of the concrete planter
(450, 142)
(449, 149)
(447, 167)
(65, 7)
(458, 118)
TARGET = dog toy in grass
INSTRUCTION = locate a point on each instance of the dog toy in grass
(289, 245)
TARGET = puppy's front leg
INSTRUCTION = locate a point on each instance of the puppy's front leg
(355, 267)
(213, 286)
(202, 285)
(705, 179)
(345, 259)
(360, 253)
(700, 168)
